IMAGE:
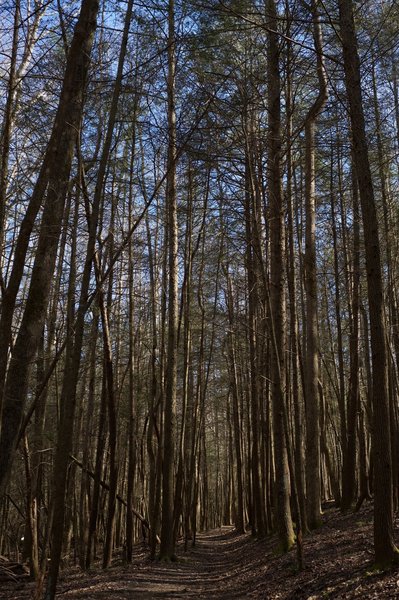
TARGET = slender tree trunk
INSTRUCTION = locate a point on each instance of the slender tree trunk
(31, 512)
(185, 318)
(167, 549)
(312, 344)
(153, 509)
(14, 90)
(132, 458)
(239, 521)
(294, 334)
(7, 128)
(257, 522)
(277, 303)
(98, 467)
(338, 312)
(112, 424)
(349, 458)
(88, 432)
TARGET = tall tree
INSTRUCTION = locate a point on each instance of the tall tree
(277, 301)
(54, 178)
(313, 490)
(167, 549)
(384, 547)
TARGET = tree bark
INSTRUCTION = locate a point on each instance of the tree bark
(56, 170)
(349, 457)
(167, 549)
(277, 302)
(384, 547)
(7, 127)
(312, 344)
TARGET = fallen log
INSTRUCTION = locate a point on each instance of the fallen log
(12, 571)
(105, 486)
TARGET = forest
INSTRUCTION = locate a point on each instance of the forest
(199, 283)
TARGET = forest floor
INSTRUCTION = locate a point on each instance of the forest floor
(227, 566)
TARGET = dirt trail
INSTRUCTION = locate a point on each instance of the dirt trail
(206, 571)
(227, 566)
(203, 572)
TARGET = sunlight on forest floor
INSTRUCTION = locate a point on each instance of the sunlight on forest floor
(227, 566)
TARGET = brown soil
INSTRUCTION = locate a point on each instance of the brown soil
(227, 566)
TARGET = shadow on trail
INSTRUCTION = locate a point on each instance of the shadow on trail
(209, 570)
(227, 566)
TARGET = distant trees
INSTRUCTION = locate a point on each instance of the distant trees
(196, 326)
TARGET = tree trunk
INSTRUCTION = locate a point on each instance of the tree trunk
(239, 520)
(167, 549)
(349, 457)
(384, 547)
(56, 170)
(132, 458)
(277, 304)
(7, 128)
(312, 344)
(294, 334)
